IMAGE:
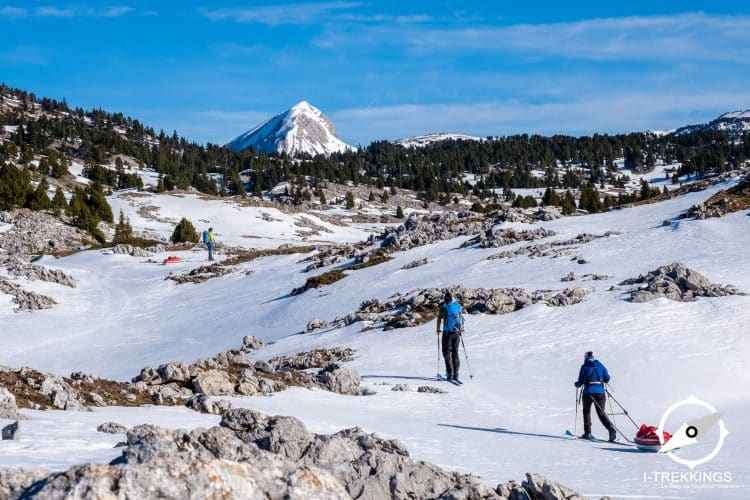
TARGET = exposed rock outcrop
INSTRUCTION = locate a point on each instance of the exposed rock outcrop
(18, 266)
(555, 248)
(315, 324)
(724, 202)
(34, 233)
(676, 282)
(8, 407)
(493, 238)
(418, 231)
(112, 428)
(27, 301)
(416, 263)
(420, 306)
(368, 466)
(317, 358)
(252, 455)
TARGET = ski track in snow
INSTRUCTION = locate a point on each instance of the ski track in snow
(509, 419)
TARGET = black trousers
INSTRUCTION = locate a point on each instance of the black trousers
(600, 400)
(450, 353)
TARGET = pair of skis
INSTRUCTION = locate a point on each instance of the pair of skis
(594, 439)
(442, 377)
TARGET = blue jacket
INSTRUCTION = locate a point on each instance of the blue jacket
(592, 371)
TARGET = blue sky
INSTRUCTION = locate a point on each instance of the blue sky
(386, 69)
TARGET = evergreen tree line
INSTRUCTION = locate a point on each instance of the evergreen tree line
(435, 171)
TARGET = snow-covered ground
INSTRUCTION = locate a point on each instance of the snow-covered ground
(507, 420)
(234, 224)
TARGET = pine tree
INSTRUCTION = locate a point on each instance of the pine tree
(568, 203)
(349, 200)
(550, 198)
(14, 186)
(645, 190)
(97, 202)
(371, 198)
(399, 212)
(123, 230)
(184, 232)
(59, 203)
(38, 198)
(323, 200)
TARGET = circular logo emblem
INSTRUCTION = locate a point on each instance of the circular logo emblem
(691, 432)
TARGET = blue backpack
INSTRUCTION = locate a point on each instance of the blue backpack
(205, 236)
(453, 311)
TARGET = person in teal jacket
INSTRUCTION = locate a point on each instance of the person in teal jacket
(451, 318)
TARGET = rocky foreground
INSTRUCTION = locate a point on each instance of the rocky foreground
(251, 455)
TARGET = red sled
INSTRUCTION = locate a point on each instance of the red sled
(171, 260)
(647, 438)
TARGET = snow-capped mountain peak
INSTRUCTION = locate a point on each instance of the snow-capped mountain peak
(734, 115)
(303, 128)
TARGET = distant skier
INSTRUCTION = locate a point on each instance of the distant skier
(210, 241)
(451, 317)
(592, 376)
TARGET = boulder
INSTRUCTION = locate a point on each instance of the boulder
(567, 297)
(341, 380)
(675, 282)
(430, 389)
(148, 376)
(400, 387)
(542, 488)
(250, 343)
(61, 394)
(315, 324)
(11, 431)
(203, 404)
(213, 383)
(174, 372)
(124, 249)
(112, 428)
(14, 481)
(8, 408)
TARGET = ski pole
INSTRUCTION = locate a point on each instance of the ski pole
(438, 357)
(613, 425)
(466, 356)
(578, 401)
(621, 407)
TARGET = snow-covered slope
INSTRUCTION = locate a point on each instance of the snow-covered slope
(505, 421)
(303, 128)
(732, 122)
(419, 141)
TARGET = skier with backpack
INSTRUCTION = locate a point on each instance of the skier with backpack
(209, 240)
(592, 377)
(451, 318)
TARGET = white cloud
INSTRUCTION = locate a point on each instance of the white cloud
(13, 12)
(690, 36)
(611, 113)
(301, 13)
(69, 11)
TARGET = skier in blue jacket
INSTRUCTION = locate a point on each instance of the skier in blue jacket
(450, 323)
(592, 377)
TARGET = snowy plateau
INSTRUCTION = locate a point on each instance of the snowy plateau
(303, 128)
(507, 420)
